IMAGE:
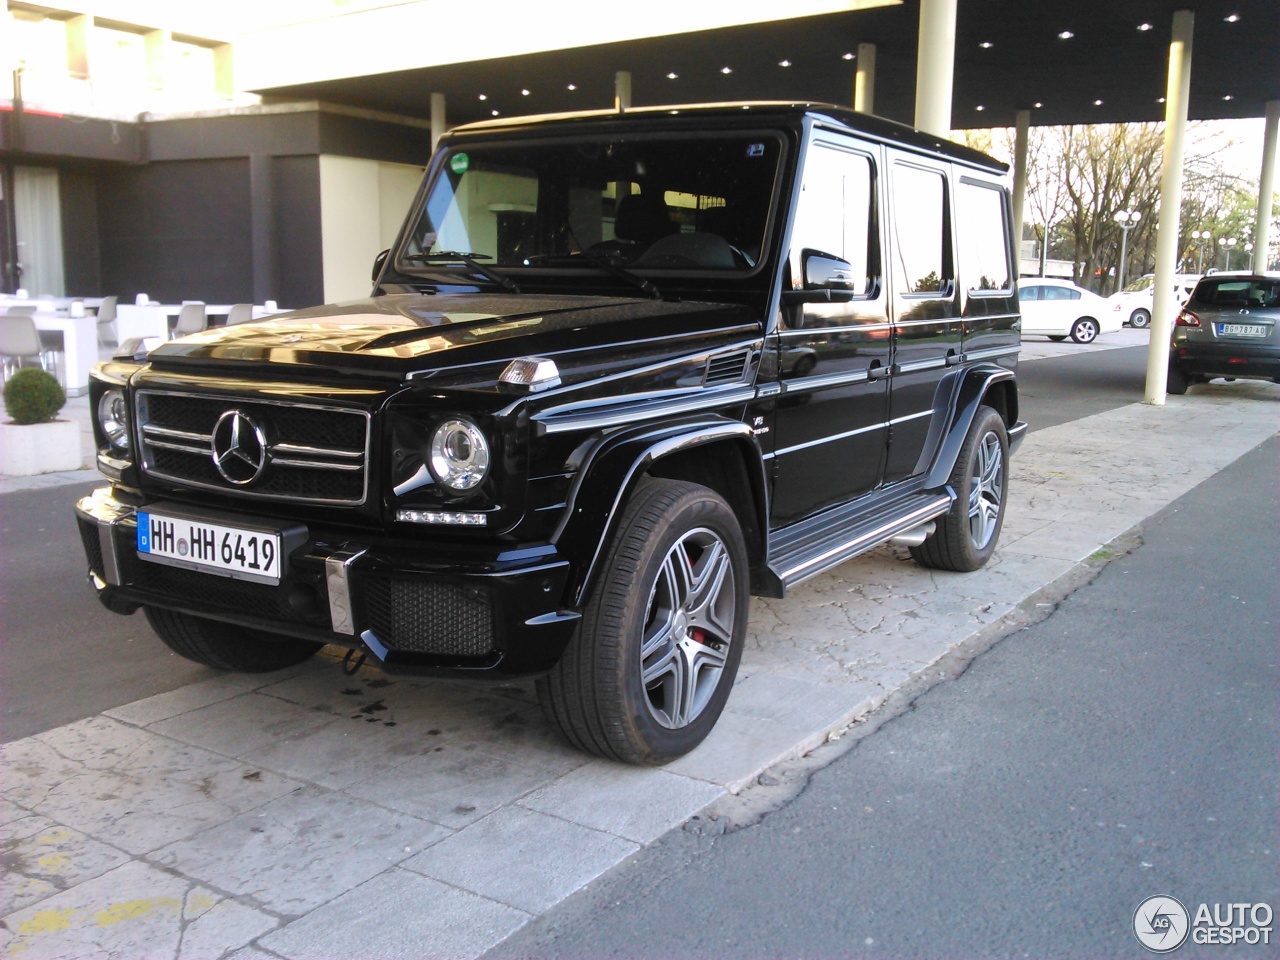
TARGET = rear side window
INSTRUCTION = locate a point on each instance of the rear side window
(1061, 293)
(984, 255)
(922, 263)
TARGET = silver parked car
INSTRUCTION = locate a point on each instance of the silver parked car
(1229, 328)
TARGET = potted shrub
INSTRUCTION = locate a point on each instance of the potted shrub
(34, 441)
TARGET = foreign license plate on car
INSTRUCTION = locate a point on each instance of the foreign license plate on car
(211, 547)
(1241, 330)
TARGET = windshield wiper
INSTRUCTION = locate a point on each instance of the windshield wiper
(471, 260)
(604, 263)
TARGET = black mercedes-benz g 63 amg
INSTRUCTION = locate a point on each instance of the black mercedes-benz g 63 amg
(618, 372)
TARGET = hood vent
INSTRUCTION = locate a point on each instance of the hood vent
(727, 368)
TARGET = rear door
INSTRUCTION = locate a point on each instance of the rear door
(927, 330)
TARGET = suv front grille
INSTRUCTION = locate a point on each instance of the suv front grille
(313, 453)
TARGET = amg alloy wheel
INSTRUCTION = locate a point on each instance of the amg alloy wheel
(966, 536)
(648, 671)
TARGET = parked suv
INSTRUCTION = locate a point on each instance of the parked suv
(618, 372)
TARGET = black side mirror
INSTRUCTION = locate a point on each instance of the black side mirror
(827, 279)
(378, 263)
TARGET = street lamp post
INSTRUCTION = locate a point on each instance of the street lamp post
(1201, 237)
(1128, 219)
(1248, 248)
(1226, 243)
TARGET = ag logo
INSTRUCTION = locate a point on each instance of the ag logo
(1161, 924)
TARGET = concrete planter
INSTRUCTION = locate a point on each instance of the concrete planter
(39, 448)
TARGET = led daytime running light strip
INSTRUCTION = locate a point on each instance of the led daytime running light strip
(443, 518)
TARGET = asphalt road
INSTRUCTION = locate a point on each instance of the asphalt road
(1122, 748)
(66, 658)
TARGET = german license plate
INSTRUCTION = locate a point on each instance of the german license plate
(1241, 330)
(210, 547)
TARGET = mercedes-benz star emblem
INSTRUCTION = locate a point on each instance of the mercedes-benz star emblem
(239, 448)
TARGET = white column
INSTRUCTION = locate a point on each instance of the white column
(935, 65)
(1266, 188)
(438, 125)
(864, 82)
(622, 91)
(1023, 128)
(1177, 95)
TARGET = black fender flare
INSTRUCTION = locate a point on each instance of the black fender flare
(970, 394)
(609, 474)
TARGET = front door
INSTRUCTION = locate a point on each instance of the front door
(830, 428)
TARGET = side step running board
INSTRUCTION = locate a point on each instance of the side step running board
(816, 545)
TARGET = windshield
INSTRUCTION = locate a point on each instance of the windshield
(1143, 283)
(639, 203)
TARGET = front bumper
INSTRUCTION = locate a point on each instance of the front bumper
(414, 605)
(1220, 359)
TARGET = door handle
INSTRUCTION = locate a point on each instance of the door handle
(877, 372)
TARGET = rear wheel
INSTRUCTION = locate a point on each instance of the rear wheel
(1084, 330)
(966, 536)
(225, 646)
(653, 660)
(1140, 319)
(1057, 337)
(1177, 381)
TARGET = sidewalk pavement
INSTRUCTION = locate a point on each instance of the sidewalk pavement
(314, 816)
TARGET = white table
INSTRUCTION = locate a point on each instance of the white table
(154, 319)
(79, 347)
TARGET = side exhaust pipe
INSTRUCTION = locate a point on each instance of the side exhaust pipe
(915, 536)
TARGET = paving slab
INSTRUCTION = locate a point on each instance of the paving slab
(313, 815)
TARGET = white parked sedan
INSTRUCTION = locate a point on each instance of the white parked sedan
(1059, 309)
(1134, 302)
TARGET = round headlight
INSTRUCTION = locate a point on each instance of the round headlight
(113, 418)
(459, 455)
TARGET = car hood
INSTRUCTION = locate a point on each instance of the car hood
(411, 334)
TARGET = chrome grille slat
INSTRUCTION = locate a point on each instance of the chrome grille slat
(321, 451)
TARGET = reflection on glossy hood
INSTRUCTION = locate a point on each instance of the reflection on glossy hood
(402, 332)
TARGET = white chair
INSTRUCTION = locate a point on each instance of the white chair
(191, 319)
(239, 313)
(20, 341)
(107, 321)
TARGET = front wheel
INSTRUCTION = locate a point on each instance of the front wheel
(225, 646)
(1057, 337)
(653, 659)
(1140, 319)
(1084, 330)
(966, 536)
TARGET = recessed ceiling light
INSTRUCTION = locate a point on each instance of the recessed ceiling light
(1228, 97)
(784, 63)
(1233, 18)
(484, 96)
(726, 70)
(1144, 27)
(1097, 103)
(979, 108)
(1159, 99)
(1037, 104)
(847, 56)
(494, 112)
(572, 86)
(1065, 35)
(672, 75)
(986, 44)
(524, 93)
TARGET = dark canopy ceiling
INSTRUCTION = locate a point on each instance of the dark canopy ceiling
(1009, 55)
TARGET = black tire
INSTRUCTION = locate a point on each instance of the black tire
(1057, 337)
(1085, 330)
(1140, 319)
(225, 646)
(1177, 381)
(675, 536)
(966, 536)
